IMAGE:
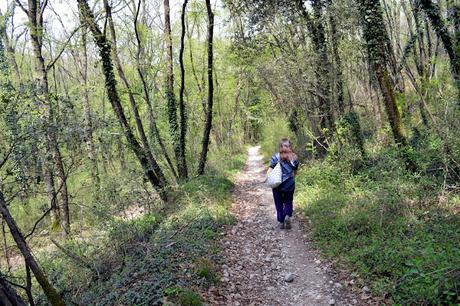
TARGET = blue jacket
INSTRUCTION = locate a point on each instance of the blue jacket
(288, 168)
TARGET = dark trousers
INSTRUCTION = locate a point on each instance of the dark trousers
(283, 203)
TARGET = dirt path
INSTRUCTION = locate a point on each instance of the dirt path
(258, 255)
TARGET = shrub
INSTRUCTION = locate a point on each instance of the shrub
(385, 225)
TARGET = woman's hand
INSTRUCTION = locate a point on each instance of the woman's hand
(266, 176)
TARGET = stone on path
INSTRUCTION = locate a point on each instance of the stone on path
(289, 278)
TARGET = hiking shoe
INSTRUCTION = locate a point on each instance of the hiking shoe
(287, 222)
(281, 226)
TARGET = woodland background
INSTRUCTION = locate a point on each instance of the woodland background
(123, 124)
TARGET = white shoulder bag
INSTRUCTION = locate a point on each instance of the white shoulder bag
(274, 178)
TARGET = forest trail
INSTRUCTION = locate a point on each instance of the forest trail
(258, 255)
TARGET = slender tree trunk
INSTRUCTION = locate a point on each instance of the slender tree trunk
(51, 293)
(152, 119)
(9, 296)
(208, 124)
(335, 41)
(236, 108)
(171, 97)
(322, 71)
(434, 14)
(192, 66)
(28, 287)
(5, 246)
(137, 117)
(376, 39)
(323, 67)
(183, 171)
(111, 86)
(35, 15)
(10, 53)
(87, 113)
(50, 189)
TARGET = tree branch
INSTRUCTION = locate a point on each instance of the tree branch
(51, 64)
(5, 159)
(23, 8)
(78, 259)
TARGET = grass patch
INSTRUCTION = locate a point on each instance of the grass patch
(167, 255)
(183, 296)
(386, 225)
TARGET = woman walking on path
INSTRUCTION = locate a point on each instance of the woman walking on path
(283, 195)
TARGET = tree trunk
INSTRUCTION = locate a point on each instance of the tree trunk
(9, 296)
(87, 112)
(5, 246)
(322, 71)
(301, 138)
(28, 287)
(208, 124)
(171, 97)
(137, 117)
(183, 171)
(152, 120)
(192, 66)
(111, 87)
(10, 52)
(437, 21)
(53, 156)
(391, 108)
(335, 41)
(376, 39)
(51, 293)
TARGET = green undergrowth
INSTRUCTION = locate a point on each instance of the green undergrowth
(396, 231)
(162, 257)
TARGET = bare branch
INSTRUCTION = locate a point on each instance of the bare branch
(51, 64)
(23, 8)
(40, 219)
(80, 260)
(5, 159)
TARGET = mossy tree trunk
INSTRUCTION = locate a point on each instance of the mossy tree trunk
(175, 130)
(376, 40)
(132, 100)
(150, 169)
(451, 44)
(208, 124)
(335, 42)
(322, 70)
(153, 127)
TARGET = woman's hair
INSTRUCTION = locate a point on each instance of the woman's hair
(285, 146)
(285, 143)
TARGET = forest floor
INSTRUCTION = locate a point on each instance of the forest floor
(257, 255)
